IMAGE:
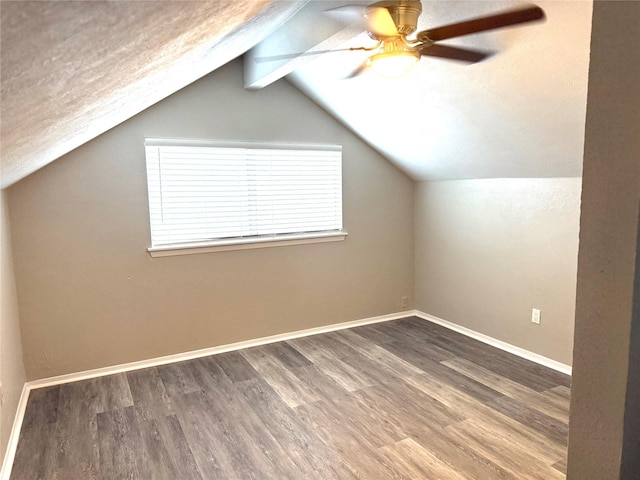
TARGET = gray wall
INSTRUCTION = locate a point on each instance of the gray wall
(488, 251)
(630, 467)
(91, 296)
(11, 364)
(608, 248)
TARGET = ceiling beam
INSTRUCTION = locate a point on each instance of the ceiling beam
(313, 29)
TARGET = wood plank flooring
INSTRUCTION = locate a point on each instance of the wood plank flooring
(397, 400)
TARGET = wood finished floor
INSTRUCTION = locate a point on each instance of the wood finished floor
(397, 400)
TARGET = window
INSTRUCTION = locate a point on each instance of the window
(222, 197)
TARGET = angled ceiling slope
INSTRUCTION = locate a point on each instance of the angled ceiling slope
(72, 70)
(520, 113)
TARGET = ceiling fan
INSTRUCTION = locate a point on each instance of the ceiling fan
(391, 23)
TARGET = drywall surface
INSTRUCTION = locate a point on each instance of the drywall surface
(630, 467)
(91, 296)
(608, 247)
(520, 113)
(12, 372)
(488, 251)
(72, 70)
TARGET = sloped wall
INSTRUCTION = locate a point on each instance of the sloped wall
(91, 296)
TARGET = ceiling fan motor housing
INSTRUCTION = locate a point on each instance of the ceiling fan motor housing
(404, 13)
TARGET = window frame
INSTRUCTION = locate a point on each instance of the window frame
(247, 242)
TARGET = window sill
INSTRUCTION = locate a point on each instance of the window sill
(245, 244)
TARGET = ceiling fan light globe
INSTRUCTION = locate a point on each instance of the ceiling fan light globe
(393, 65)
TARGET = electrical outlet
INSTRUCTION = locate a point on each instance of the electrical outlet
(535, 316)
(404, 302)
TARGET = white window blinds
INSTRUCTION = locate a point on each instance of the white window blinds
(200, 193)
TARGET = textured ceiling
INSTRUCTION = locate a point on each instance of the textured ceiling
(71, 70)
(521, 113)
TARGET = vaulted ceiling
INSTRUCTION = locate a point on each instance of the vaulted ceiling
(72, 70)
(520, 113)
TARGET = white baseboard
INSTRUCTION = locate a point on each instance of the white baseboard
(507, 347)
(126, 367)
(5, 473)
(178, 357)
(12, 444)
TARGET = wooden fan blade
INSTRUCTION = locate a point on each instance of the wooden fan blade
(454, 53)
(363, 67)
(481, 24)
(290, 56)
(380, 23)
